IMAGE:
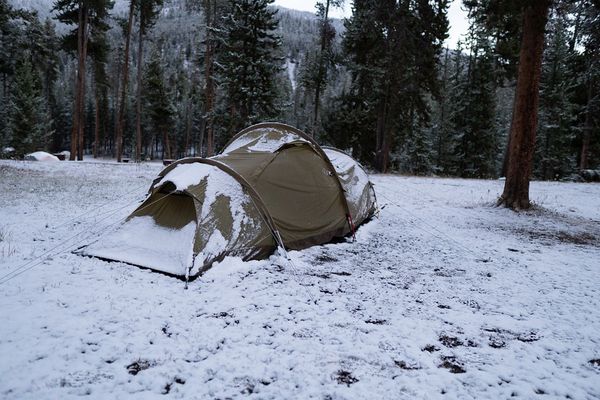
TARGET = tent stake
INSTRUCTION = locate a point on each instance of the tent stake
(352, 228)
(189, 269)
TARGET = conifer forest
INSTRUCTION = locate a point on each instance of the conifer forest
(141, 80)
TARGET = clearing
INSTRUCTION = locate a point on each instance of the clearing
(443, 295)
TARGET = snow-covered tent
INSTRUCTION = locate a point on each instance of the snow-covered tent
(40, 156)
(271, 186)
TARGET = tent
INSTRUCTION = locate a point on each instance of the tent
(40, 156)
(271, 186)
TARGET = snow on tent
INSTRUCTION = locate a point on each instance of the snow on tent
(40, 156)
(271, 186)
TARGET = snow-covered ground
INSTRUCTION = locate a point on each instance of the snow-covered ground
(442, 296)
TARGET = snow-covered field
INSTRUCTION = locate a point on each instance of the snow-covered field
(441, 296)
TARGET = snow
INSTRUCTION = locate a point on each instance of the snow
(186, 175)
(291, 71)
(269, 140)
(441, 282)
(141, 241)
(217, 183)
(354, 178)
(41, 156)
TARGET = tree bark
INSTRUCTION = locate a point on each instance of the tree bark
(201, 141)
(383, 133)
(96, 125)
(75, 127)
(76, 107)
(320, 72)
(587, 127)
(166, 145)
(188, 129)
(524, 121)
(441, 134)
(138, 105)
(209, 92)
(81, 124)
(125, 77)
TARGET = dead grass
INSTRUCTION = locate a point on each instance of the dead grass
(7, 247)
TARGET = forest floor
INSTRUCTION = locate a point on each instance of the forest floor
(442, 295)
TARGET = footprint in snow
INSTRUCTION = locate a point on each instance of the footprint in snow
(344, 377)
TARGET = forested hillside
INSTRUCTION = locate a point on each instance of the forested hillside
(394, 96)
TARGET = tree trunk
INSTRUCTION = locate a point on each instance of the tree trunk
(166, 145)
(524, 121)
(442, 127)
(75, 127)
(97, 125)
(188, 129)
(382, 145)
(115, 103)
(138, 105)
(587, 128)
(76, 108)
(152, 145)
(201, 142)
(209, 93)
(103, 138)
(320, 72)
(121, 117)
(81, 124)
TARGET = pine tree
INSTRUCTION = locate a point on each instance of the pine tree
(125, 81)
(13, 42)
(473, 115)
(89, 18)
(318, 68)
(158, 101)
(99, 52)
(345, 124)
(213, 12)
(28, 120)
(148, 12)
(249, 63)
(417, 152)
(524, 122)
(392, 50)
(589, 152)
(442, 108)
(554, 157)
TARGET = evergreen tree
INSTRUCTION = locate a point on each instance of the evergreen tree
(392, 49)
(475, 138)
(442, 112)
(346, 122)
(89, 18)
(159, 105)
(587, 34)
(318, 68)
(249, 63)
(214, 10)
(28, 121)
(417, 149)
(13, 23)
(99, 52)
(554, 157)
(148, 13)
(501, 21)
(120, 125)
(524, 122)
